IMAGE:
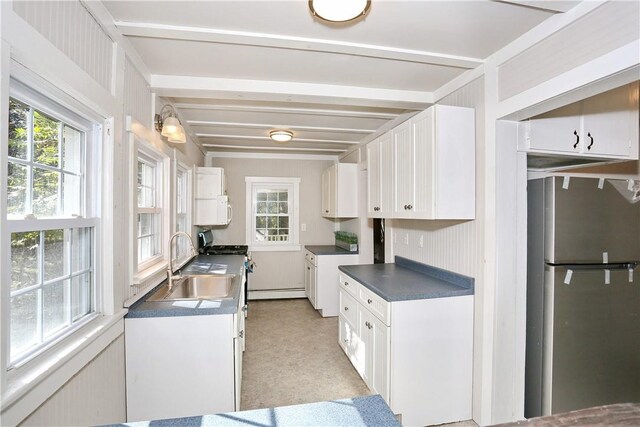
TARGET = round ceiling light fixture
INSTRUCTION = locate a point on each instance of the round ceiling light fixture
(339, 10)
(281, 135)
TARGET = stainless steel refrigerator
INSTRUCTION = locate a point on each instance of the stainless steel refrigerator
(583, 295)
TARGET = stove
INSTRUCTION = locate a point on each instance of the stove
(225, 250)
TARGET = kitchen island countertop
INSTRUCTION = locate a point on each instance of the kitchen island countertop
(364, 411)
(202, 264)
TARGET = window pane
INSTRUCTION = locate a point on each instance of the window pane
(71, 194)
(45, 192)
(272, 207)
(71, 150)
(261, 207)
(262, 196)
(146, 224)
(261, 222)
(283, 222)
(24, 322)
(16, 189)
(261, 234)
(272, 196)
(56, 255)
(18, 133)
(81, 295)
(283, 207)
(283, 196)
(272, 222)
(45, 139)
(24, 259)
(146, 185)
(80, 249)
(54, 306)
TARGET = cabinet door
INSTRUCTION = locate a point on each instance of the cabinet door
(380, 349)
(325, 192)
(307, 279)
(313, 290)
(332, 190)
(373, 179)
(386, 175)
(364, 355)
(403, 165)
(423, 154)
(558, 130)
(610, 122)
(237, 348)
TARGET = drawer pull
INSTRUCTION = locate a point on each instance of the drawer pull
(346, 340)
(346, 283)
(369, 301)
(346, 309)
(241, 334)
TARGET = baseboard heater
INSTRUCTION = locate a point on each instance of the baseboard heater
(277, 294)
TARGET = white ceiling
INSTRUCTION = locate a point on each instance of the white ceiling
(237, 69)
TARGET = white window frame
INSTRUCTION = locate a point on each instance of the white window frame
(253, 184)
(47, 100)
(179, 166)
(147, 274)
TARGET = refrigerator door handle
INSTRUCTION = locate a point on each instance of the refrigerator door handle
(611, 266)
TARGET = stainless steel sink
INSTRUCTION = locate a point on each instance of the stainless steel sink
(193, 287)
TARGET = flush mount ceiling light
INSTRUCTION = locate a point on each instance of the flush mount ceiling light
(168, 125)
(281, 135)
(339, 10)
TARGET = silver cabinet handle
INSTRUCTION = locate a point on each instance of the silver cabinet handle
(244, 308)
(346, 340)
(346, 309)
(409, 207)
(369, 301)
(241, 334)
(308, 268)
(346, 283)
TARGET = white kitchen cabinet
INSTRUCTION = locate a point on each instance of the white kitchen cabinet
(429, 170)
(434, 164)
(603, 126)
(210, 183)
(419, 359)
(321, 280)
(340, 191)
(182, 366)
(380, 177)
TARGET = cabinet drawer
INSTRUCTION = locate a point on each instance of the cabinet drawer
(348, 307)
(349, 284)
(376, 304)
(311, 257)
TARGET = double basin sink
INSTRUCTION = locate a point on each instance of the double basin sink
(196, 287)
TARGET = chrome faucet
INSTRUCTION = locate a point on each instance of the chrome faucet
(170, 275)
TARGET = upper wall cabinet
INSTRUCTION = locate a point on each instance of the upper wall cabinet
(425, 167)
(380, 177)
(340, 191)
(603, 126)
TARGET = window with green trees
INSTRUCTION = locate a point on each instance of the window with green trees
(52, 286)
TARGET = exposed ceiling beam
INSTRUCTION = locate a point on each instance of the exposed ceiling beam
(214, 35)
(281, 91)
(266, 138)
(270, 126)
(289, 110)
(244, 147)
(550, 5)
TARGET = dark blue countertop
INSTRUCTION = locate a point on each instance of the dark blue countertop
(202, 264)
(329, 250)
(409, 280)
(363, 411)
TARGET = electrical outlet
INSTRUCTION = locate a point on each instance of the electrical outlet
(421, 241)
(303, 227)
(406, 238)
(395, 237)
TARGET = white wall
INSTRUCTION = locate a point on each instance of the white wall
(276, 270)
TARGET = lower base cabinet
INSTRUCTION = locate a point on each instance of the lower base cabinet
(416, 354)
(183, 366)
(321, 280)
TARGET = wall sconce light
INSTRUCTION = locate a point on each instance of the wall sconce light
(168, 125)
(281, 135)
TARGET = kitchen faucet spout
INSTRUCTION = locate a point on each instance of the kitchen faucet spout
(170, 275)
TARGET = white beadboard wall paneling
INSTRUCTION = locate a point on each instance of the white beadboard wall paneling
(605, 29)
(73, 30)
(137, 95)
(95, 395)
